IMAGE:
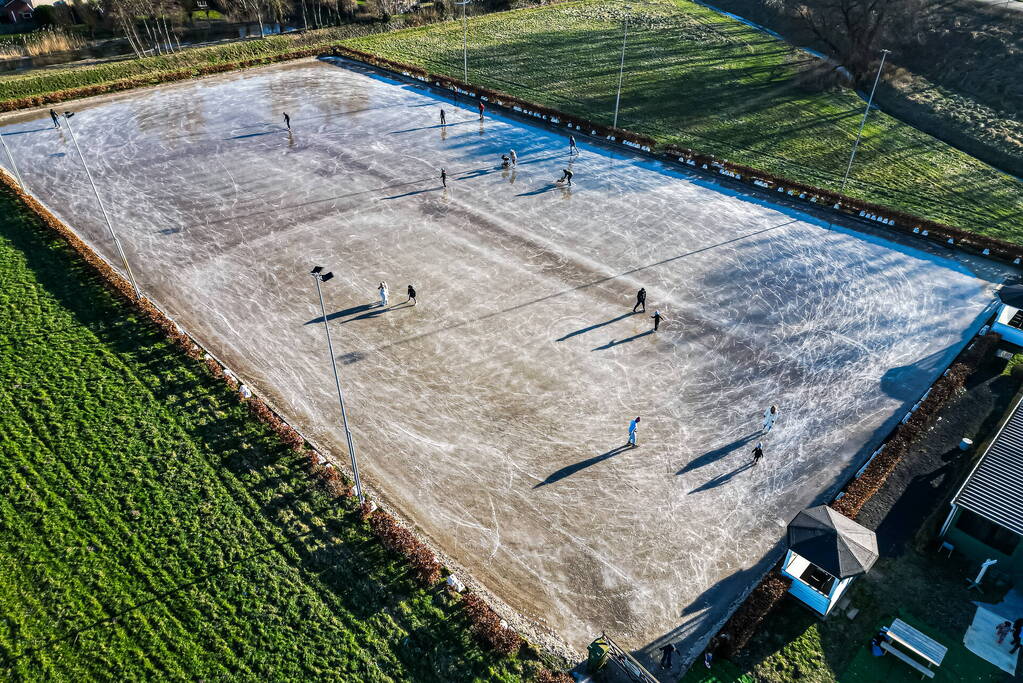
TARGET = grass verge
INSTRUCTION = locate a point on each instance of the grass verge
(151, 528)
(696, 79)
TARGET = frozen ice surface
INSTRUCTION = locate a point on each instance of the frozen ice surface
(491, 413)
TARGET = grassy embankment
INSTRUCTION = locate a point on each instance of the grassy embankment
(156, 69)
(150, 528)
(700, 80)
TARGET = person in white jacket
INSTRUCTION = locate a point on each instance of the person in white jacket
(770, 415)
(383, 293)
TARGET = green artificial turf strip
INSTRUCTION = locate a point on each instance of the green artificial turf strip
(151, 529)
(700, 80)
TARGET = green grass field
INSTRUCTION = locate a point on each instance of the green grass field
(151, 529)
(697, 79)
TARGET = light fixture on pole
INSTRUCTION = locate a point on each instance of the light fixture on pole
(465, 42)
(14, 166)
(110, 226)
(320, 276)
(870, 100)
(621, 66)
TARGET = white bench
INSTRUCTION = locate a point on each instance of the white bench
(907, 659)
(928, 649)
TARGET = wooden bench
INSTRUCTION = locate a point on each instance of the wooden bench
(907, 659)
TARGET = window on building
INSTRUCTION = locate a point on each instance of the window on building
(27, 16)
(988, 533)
(818, 579)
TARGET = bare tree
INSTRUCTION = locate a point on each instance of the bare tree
(851, 29)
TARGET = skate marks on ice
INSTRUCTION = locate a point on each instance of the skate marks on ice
(485, 413)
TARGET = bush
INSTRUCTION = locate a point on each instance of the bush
(487, 627)
(745, 621)
(402, 541)
(548, 676)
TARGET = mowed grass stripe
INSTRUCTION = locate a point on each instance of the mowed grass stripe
(700, 80)
(154, 530)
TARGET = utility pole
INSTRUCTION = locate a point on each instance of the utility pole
(465, 43)
(870, 100)
(106, 216)
(621, 66)
(320, 276)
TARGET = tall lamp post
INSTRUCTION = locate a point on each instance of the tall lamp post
(14, 166)
(870, 100)
(106, 216)
(319, 276)
(465, 42)
(621, 66)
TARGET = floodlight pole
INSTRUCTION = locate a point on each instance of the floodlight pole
(106, 216)
(870, 100)
(621, 66)
(14, 166)
(322, 277)
(465, 43)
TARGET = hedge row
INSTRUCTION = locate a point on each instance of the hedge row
(488, 627)
(941, 392)
(151, 79)
(484, 622)
(891, 218)
(746, 620)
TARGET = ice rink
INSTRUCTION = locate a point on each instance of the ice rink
(493, 412)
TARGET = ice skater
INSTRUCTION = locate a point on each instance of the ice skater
(444, 177)
(770, 415)
(633, 426)
(382, 288)
(572, 148)
(640, 300)
(514, 158)
(758, 452)
(657, 319)
(443, 118)
(666, 652)
(482, 109)
(566, 177)
(287, 121)
(411, 295)
(56, 119)
(1002, 630)
(505, 161)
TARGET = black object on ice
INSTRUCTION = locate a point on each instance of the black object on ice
(1011, 295)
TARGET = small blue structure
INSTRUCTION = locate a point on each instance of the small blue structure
(827, 551)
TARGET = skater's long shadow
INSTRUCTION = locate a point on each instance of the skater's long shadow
(414, 193)
(341, 314)
(26, 132)
(618, 342)
(718, 453)
(722, 478)
(252, 135)
(594, 327)
(541, 190)
(439, 125)
(581, 465)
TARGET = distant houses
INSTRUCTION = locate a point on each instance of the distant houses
(16, 11)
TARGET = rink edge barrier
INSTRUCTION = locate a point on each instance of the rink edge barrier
(825, 200)
(868, 480)
(485, 622)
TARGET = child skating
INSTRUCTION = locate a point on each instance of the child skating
(382, 288)
(566, 177)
